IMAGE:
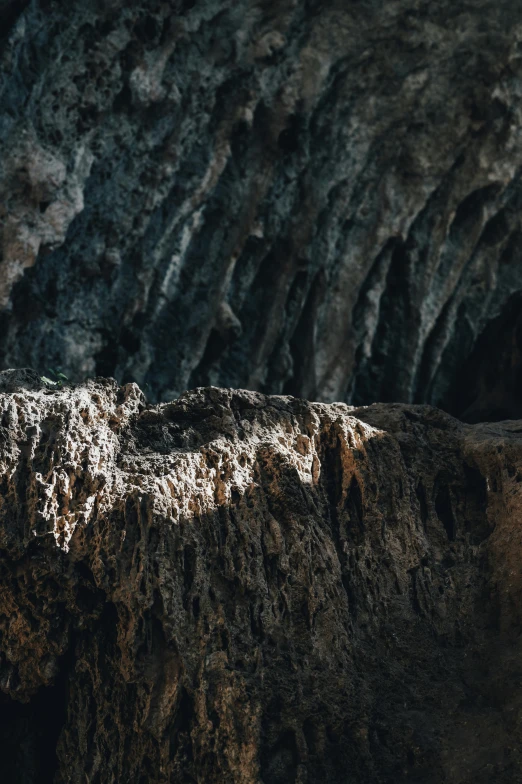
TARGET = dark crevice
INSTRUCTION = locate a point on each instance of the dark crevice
(302, 382)
(189, 571)
(469, 211)
(488, 384)
(10, 11)
(181, 742)
(29, 732)
(414, 592)
(450, 365)
(436, 339)
(423, 505)
(444, 510)
(374, 278)
(279, 763)
(477, 523)
(332, 478)
(354, 506)
(387, 376)
(107, 358)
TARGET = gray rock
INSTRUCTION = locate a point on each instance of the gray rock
(320, 199)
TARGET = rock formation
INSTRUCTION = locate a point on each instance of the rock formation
(314, 198)
(318, 199)
(239, 588)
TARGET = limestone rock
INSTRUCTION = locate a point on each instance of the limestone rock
(240, 588)
(337, 181)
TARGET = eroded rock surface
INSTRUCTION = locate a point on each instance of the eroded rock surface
(315, 198)
(240, 588)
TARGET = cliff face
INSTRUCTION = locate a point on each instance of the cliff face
(319, 199)
(246, 589)
(313, 198)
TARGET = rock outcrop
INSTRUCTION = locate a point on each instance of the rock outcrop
(314, 198)
(239, 588)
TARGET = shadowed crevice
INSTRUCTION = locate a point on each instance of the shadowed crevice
(29, 731)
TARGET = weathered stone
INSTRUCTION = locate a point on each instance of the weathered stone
(239, 588)
(339, 183)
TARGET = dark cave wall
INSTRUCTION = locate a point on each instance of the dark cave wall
(320, 199)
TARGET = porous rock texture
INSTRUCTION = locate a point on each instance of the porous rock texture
(314, 198)
(239, 588)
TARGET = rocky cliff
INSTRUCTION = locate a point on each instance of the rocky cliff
(314, 198)
(239, 588)
(319, 199)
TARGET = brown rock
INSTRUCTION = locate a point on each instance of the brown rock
(238, 588)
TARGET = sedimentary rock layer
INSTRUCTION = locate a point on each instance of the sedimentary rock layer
(239, 588)
(315, 198)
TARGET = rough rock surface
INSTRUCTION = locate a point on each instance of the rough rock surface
(239, 588)
(315, 198)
